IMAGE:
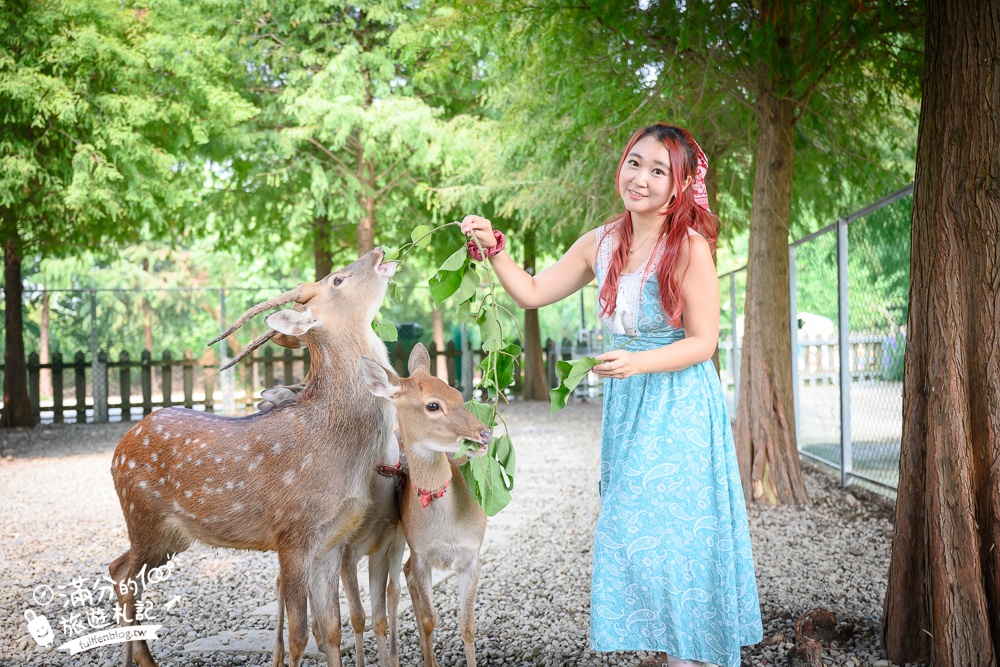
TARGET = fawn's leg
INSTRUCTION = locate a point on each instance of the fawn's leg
(468, 579)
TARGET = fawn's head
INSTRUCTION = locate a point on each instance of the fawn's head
(432, 416)
(345, 300)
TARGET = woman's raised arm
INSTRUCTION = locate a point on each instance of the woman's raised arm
(573, 270)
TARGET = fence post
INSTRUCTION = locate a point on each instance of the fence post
(147, 382)
(227, 379)
(268, 379)
(208, 376)
(793, 303)
(167, 379)
(466, 365)
(187, 375)
(736, 348)
(843, 334)
(98, 375)
(57, 388)
(80, 377)
(33, 391)
(286, 366)
(125, 385)
(99, 383)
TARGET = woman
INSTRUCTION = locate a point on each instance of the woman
(673, 568)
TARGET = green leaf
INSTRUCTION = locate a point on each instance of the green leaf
(481, 411)
(491, 335)
(444, 284)
(385, 330)
(503, 452)
(456, 261)
(491, 489)
(392, 293)
(392, 254)
(570, 373)
(469, 286)
(419, 235)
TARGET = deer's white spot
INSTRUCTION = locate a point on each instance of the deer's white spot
(187, 493)
(138, 430)
(196, 440)
(145, 441)
(202, 445)
(155, 456)
(229, 485)
(208, 479)
(306, 462)
(162, 480)
(159, 428)
(288, 477)
(166, 436)
(131, 506)
(218, 459)
(237, 506)
(276, 448)
(256, 462)
(131, 464)
(143, 484)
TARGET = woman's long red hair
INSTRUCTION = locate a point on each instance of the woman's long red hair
(682, 214)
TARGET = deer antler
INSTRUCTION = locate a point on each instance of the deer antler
(280, 300)
(250, 348)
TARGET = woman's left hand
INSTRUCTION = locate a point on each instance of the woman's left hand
(617, 364)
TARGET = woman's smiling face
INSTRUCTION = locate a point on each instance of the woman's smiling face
(645, 183)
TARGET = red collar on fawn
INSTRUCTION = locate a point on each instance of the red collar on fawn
(390, 471)
(427, 496)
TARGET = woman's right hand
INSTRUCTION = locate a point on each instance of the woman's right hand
(481, 228)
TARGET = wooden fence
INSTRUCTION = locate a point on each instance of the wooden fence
(126, 389)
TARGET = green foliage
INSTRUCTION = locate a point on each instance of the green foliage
(490, 477)
(570, 374)
(106, 109)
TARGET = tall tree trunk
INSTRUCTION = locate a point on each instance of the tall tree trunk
(536, 386)
(322, 254)
(765, 428)
(943, 595)
(16, 406)
(45, 374)
(437, 327)
(366, 226)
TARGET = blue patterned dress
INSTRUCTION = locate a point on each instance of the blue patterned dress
(673, 567)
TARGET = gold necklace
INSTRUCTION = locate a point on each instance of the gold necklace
(632, 251)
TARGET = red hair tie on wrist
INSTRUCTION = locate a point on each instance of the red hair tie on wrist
(491, 251)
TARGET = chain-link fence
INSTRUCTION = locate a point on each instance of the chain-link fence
(849, 287)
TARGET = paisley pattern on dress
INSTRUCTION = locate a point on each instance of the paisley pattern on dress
(673, 566)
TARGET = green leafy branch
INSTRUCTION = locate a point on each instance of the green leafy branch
(490, 477)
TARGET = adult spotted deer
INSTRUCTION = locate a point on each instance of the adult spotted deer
(444, 525)
(297, 479)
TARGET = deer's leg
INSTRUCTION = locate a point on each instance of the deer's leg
(295, 591)
(468, 578)
(125, 572)
(419, 579)
(349, 573)
(278, 652)
(378, 572)
(324, 586)
(395, 557)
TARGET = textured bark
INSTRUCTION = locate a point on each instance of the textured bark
(16, 406)
(535, 381)
(366, 225)
(322, 255)
(765, 433)
(943, 595)
(437, 327)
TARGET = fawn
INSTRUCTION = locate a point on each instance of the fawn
(444, 525)
(297, 479)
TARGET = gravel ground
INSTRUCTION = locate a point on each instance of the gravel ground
(61, 522)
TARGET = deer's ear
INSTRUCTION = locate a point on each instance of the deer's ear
(420, 361)
(292, 322)
(278, 395)
(380, 382)
(291, 342)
